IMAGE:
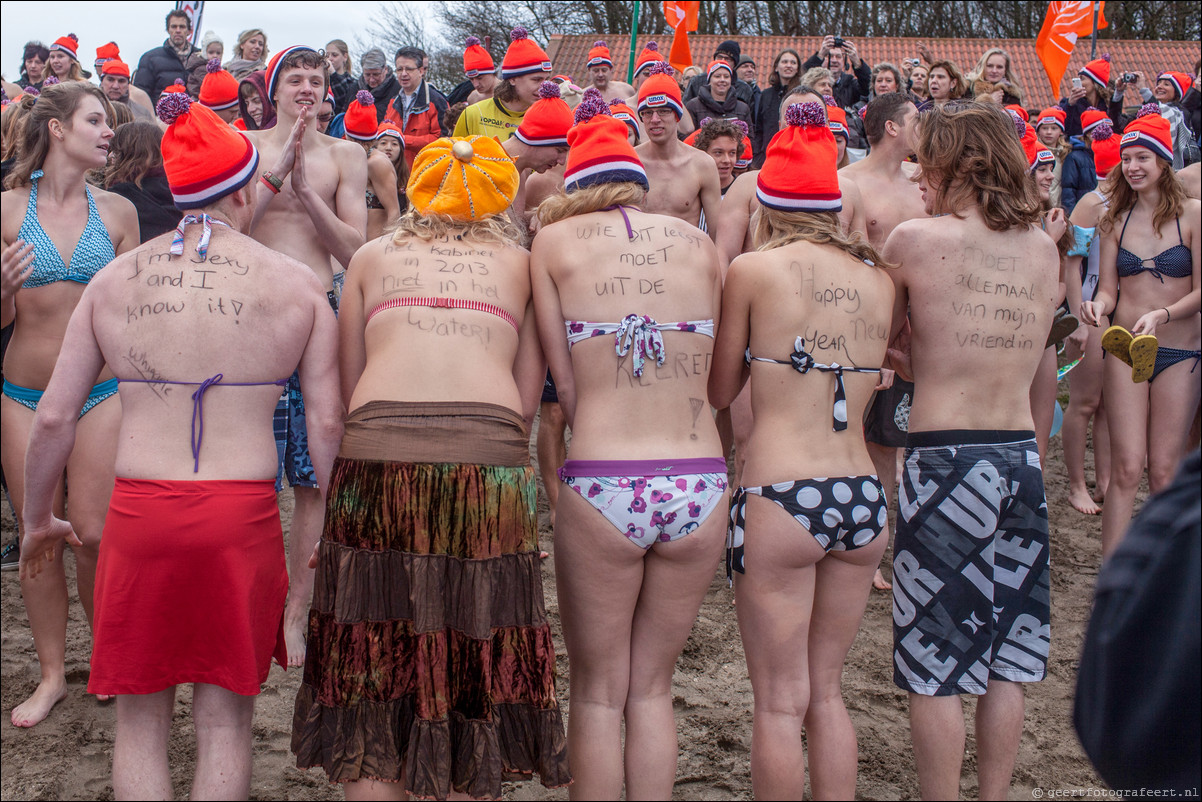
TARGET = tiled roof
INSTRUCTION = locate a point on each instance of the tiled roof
(569, 54)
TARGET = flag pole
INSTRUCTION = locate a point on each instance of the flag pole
(634, 32)
(1093, 41)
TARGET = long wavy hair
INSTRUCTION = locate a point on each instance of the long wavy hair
(971, 151)
(561, 206)
(775, 80)
(56, 102)
(10, 124)
(136, 151)
(776, 229)
(978, 72)
(1122, 197)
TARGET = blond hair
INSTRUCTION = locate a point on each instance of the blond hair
(498, 229)
(775, 229)
(561, 206)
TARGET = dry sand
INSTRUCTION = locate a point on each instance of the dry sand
(69, 755)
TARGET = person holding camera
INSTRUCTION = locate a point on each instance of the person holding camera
(853, 78)
(1091, 89)
(1168, 92)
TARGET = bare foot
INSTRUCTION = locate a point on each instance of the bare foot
(542, 555)
(878, 581)
(31, 712)
(1082, 502)
(294, 639)
(104, 697)
(1098, 495)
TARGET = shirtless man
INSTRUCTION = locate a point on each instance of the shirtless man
(890, 197)
(600, 67)
(684, 181)
(192, 580)
(539, 144)
(970, 564)
(479, 68)
(310, 206)
(739, 203)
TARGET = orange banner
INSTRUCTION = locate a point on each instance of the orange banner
(682, 16)
(1064, 23)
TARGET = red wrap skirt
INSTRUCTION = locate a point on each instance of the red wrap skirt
(190, 587)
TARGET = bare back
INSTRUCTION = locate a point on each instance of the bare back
(889, 197)
(837, 304)
(587, 269)
(242, 311)
(980, 304)
(422, 352)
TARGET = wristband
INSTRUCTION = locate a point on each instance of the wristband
(273, 183)
(1167, 316)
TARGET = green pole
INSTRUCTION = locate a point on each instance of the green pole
(634, 32)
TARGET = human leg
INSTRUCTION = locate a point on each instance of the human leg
(999, 729)
(551, 450)
(223, 742)
(841, 589)
(1127, 421)
(46, 594)
(1173, 398)
(937, 734)
(1101, 452)
(598, 576)
(1085, 394)
(775, 599)
(1043, 397)
(676, 576)
(140, 769)
(90, 472)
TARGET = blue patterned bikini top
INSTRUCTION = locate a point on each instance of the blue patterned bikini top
(1174, 262)
(93, 251)
(639, 332)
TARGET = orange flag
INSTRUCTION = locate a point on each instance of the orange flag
(1061, 27)
(682, 16)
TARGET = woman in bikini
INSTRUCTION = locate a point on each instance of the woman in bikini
(1157, 296)
(446, 681)
(383, 207)
(806, 316)
(51, 216)
(627, 303)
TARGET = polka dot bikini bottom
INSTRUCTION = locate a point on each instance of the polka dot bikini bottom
(842, 514)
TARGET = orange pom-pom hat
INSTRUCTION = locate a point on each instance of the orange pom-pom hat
(1149, 130)
(599, 54)
(661, 89)
(68, 44)
(1098, 70)
(115, 66)
(1037, 152)
(545, 124)
(649, 56)
(524, 56)
(219, 90)
(476, 59)
(1052, 116)
(204, 158)
(599, 152)
(360, 119)
(799, 172)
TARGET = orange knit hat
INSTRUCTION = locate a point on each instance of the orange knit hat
(204, 158)
(476, 59)
(719, 64)
(837, 121)
(360, 119)
(1180, 81)
(622, 112)
(744, 160)
(1037, 152)
(115, 66)
(799, 172)
(600, 153)
(599, 54)
(464, 179)
(1053, 115)
(1149, 130)
(219, 90)
(389, 128)
(108, 51)
(661, 89)
(545, 124)
(68, 44)
(649, 56)
(524, 56)
(1098, 70)
(1105, 149)
(1091, 118)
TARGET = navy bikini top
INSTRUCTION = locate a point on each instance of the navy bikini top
(1174, 262)
(93, 251)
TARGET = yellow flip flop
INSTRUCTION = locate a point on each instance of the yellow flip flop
(1116, 341)
(1143, 357)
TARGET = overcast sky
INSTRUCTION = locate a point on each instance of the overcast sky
(138, 26)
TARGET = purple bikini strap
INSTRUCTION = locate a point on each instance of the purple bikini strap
(198, 422)
(622, 209)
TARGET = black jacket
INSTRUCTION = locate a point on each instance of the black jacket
(732, 108)
(1078, 177)
(767, 122)
(741, 89)
(156, 209)
(159, 68)
(851, 86)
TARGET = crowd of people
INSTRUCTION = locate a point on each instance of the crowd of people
(840, 281)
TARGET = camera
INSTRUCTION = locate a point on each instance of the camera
(838, 41)
(1128, 77)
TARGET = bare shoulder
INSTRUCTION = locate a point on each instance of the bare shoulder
(920, 231)
(848, 185)
(112, 202)
(743, 189)
(13, 203)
